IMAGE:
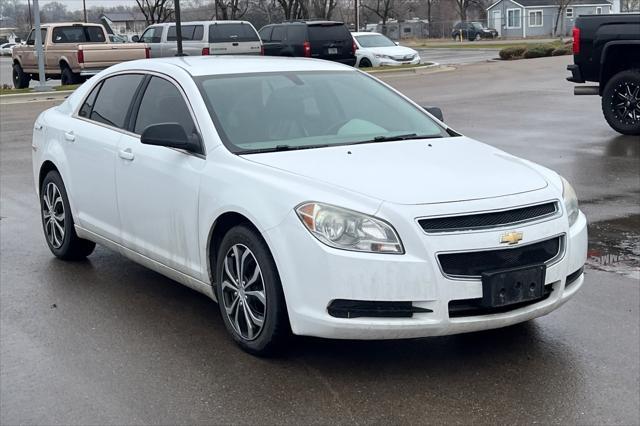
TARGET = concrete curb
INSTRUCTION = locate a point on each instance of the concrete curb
(34, 97)
(393, 70)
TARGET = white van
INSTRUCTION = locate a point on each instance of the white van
(203, 38)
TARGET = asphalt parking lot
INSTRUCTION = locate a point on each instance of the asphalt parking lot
(109, 342)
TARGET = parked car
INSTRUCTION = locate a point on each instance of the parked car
(375, 50)
(72, 52)
(473, 31)
(6, 48)
(329, 40)
(203, 38)
(306, 197)
(606, 50)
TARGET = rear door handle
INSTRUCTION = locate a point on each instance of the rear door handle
(126, 154)
(69, 136)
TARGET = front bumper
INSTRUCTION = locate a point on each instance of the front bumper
(314, 275)
(385, 62)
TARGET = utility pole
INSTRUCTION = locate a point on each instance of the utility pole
(178, 28)
(357, 14)
(84, 8)
(39, 51)
(29, 4)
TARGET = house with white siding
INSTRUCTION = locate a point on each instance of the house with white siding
(537, 18)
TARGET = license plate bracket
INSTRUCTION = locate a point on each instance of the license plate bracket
(332, 50)
(512, 286)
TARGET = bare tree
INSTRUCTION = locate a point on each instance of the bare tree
(630, 6)
(562, 7)
(156, 11)
(323, 9)
(294, 9)
(381, 8)
(462, 6)
(231, 9)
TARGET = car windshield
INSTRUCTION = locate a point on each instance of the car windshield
(374, 40)
(308, 109)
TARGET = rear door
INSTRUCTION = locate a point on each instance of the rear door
(233, 38)
(276, 40)
(330, 40)
(193, 41)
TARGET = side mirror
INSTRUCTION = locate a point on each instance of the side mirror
(135, 38)
(170, 135)
(397, 43)
(435, 111)
(31, 42)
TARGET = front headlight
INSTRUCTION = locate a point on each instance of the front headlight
(570, 201)
(348, 230)
(380, 56)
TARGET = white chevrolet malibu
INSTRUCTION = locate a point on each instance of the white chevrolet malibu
(306, 197)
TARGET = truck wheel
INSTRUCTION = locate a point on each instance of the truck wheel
(68, 77)
(621, 102)
(20, 78)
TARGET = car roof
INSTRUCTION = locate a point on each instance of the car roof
(70, 24)
(229, 64)
(167, 24)
(364, 33)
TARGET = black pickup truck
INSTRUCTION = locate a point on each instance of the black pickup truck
(606, 50)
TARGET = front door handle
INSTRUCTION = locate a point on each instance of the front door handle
(126, 154)
(70, 136)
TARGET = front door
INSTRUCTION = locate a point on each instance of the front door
(158, 187)
(496, 22)
(152, 37)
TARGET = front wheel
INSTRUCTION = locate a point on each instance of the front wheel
(621, 102)
(57, 222)
(20, 78)
(249, 293)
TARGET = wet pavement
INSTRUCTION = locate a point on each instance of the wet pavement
(109, 342)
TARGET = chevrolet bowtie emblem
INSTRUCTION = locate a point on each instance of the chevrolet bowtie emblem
(511, 238)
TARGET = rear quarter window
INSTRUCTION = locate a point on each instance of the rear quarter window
(296, 33)
(328, 32)
(189, 33)
(229, 33)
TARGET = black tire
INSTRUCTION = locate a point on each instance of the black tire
(621, 102)
(275, 330)
(68, 77)
(365, 63)
(66, 245)
(20, 78)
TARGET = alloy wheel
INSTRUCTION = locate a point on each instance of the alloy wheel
(626, 102)
(53, 215)
(243, 292)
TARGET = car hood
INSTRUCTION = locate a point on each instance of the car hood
(413, 171)
(390, 50)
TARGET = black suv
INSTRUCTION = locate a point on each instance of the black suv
(313, 39)
(472, 31)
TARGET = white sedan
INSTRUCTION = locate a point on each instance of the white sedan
(376, 50)
(6, 49)
(307, 198)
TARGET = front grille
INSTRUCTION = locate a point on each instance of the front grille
(488, 220)
(474, 263)
(343, 308)
(473, 307)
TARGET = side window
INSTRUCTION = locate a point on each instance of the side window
(198, 32)
(265, 33)
(87, 106)
(31, 40)
(296, 33)
(163, 103)
(278, 33)
(112, 104)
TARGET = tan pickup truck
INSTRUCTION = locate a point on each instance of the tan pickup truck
(72, 52)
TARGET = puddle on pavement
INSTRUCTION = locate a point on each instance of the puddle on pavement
(614, 245)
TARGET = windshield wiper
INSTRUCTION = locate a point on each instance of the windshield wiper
(397, 138)
(279, 148)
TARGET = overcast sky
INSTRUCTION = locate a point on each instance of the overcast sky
(77, 4)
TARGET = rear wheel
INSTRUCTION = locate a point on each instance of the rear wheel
(20, 78)
(621, 102)
(365, 63)
(249, 293)
(57, 221)
(68, 77)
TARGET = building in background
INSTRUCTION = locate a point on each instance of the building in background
(537, 18)
(124, 24)
(410, 28)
